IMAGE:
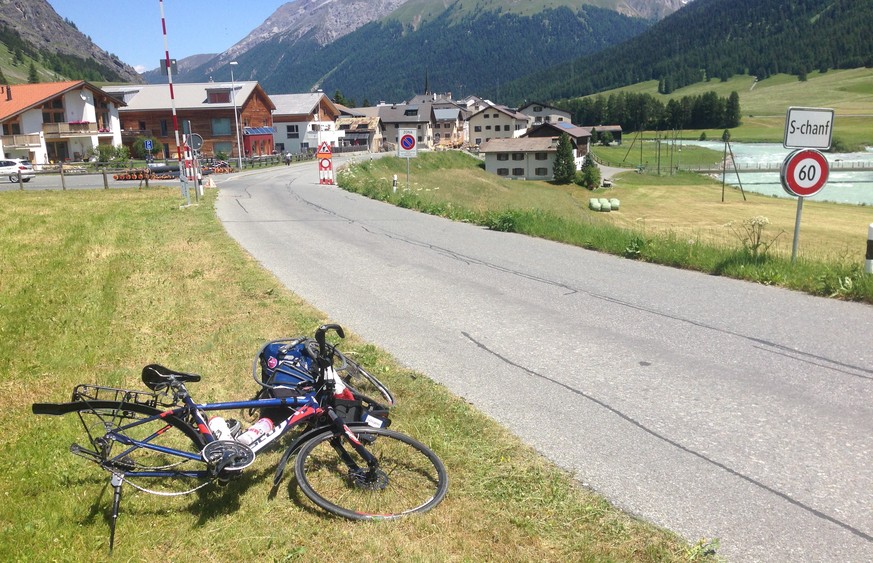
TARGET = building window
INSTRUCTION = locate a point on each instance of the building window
(222, 147)
(502, 156)
(488, 127)
(506, 127)
(503, 171)
(291, 131)
(538, 108)
(518, 156)
(541, 171)
(487, 116)
(220, 126)
(477, 128)
(478, 140)
(541, 156)
(518, 171)
(218, 98)
(164, 130)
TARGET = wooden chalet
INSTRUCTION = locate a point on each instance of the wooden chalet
(203, 108)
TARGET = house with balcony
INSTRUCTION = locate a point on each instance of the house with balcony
(360, 131)
(223, 114)
(303, 121)
(57, 121)
(580, 137)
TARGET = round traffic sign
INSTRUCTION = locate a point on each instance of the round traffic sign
(195, 141)
(407, 142)
(804, 173)
(325, 163)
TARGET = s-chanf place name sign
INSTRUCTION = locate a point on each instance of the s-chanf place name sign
(809, 128)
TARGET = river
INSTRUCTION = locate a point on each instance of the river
(844, 185)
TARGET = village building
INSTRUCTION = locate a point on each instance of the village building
(580, 137)
(493, 121)
(57, 121)
(360, 132)
(526, 158)
(223, 114)
(542, 113)
(304, 121)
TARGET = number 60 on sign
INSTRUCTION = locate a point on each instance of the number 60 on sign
(804, 173)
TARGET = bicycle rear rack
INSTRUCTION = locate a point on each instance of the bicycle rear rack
(86, 392)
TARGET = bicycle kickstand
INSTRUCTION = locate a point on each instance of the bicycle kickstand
(116, 481)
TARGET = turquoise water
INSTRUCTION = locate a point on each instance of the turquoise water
(844, 185)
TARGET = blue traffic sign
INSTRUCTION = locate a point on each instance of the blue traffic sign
(407, 142)
(148, 144)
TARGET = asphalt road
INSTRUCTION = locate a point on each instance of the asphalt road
(713, 407)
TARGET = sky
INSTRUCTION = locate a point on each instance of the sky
(131, 29)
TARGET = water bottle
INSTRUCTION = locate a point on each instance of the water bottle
(219, 428)
(255, 431)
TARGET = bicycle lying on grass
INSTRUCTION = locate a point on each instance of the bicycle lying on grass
(348, 462)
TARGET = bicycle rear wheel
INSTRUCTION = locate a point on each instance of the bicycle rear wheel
(409, 479)
(142, 464)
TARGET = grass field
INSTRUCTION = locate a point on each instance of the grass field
(95, 284)
(685, 220)
(764, 103)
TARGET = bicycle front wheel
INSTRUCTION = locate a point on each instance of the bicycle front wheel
(408, 479)
(163, 456)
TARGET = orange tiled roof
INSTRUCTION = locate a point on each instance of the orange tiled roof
(26, 96)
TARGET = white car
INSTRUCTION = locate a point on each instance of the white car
(12, 166)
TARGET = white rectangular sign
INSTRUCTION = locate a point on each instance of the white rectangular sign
(406, 143)
(808, 128)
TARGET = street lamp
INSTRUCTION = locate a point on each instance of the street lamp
(235, 118)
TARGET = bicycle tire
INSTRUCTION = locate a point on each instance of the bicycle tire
(101, 417)
(366, 383)
(410, 479)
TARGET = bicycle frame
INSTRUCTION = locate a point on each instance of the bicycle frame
(305, 408)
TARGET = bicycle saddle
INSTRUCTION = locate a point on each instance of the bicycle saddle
(156, 376)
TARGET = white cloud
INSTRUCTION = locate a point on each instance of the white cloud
(140, 68)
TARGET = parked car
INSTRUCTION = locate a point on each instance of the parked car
(11, 167)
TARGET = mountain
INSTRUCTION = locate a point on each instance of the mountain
(462, 46)
(716, 39)
(35, 30)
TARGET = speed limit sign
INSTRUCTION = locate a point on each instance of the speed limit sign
(804, 173)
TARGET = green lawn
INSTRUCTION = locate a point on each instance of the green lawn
(94, 284)
(764, 103)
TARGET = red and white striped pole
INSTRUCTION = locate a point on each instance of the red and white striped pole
(182, 172)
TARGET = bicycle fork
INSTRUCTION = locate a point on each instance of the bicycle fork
(357, 445)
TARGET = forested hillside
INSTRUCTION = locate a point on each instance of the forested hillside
(716, 39)
(460, 53)
(62, 65)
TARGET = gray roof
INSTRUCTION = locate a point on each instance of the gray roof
(397, 113)
(446, 114)
(141, 97)
(296, 104)
(551, 129)
(520, 144)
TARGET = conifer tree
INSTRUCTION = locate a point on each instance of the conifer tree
(565, 166)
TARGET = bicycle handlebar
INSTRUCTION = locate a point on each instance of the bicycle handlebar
(323, 360)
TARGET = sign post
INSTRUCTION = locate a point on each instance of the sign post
(406, 148)
(325, 164)
(805, 171)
